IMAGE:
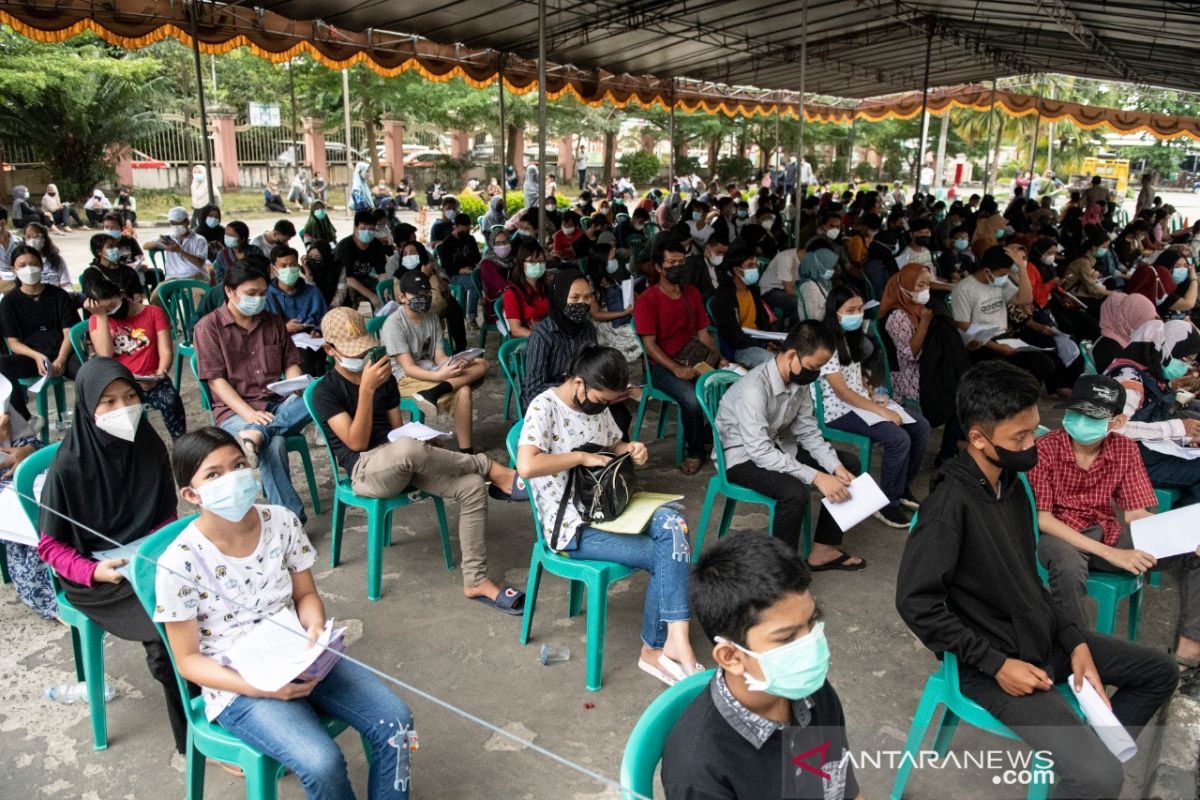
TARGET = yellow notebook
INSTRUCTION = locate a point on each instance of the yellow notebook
(637, 514)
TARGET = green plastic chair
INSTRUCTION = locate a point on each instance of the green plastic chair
(378, 510)
(644, 748)
(87, 638)
(178, 299)
(208, 739)
(1089, 363)
(860, 442)
(296, 443)
(942, 691)
(59, 386)
(477, 282)
(4, 576)
(595, 576)
(459, 293)
(386, 289)
(375, 324)
(79, 339)
(512, 365)
(650, 393)
(709, 390)
(1167, 498)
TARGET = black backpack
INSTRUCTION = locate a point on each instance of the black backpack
(600, 494)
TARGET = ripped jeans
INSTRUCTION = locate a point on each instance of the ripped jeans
(290, 732)
(662, 550)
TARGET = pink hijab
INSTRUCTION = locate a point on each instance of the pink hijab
(1092, 215)
(1121, 314)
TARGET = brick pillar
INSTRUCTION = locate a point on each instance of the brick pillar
(460, 144)
(517, 157)
(393, 146)
(224, 148)
(314, 146)
(566, 158)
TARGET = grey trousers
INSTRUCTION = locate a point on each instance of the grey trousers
(1068, 568)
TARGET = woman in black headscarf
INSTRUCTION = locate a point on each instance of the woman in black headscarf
(554, 339)
(111, 476)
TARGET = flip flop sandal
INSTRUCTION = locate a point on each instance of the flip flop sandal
(250, 448)
(691, 466)
(232, 769)
(516, 494)
(674, 669)
(508, 601)
(838, 564)
(655, 672)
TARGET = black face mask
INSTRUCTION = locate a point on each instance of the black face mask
(805, 376)
(577, 312)
(1013, 460)
(676, 274)
(420, 303)
(590, 407)
(922, 241)
(121, 312)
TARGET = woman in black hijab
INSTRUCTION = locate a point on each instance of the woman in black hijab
(112, 475)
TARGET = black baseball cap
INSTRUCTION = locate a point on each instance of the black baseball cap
(1096, 396)
(414, 281)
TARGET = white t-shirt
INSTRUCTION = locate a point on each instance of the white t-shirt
(785, 266)
(255, 587)
(699, 234)
(852, 375)
(176, 266)
(981, 303)
(553, 427)
(419, 339)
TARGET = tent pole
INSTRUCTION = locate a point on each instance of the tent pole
(671, 134)
(502, 141)
(1050, 133)
(800, 136)
(924, 107)
(346, 122)
(777, 145)
(541, 121)
(1037, 122)
(987, 155)
(208, 171)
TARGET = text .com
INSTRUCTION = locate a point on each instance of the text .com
(1008, 767)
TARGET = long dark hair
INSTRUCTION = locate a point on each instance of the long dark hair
(851, 345)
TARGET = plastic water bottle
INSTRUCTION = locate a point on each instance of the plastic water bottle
(70, 693)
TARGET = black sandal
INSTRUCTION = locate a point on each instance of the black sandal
(839, 564)
(508, 600)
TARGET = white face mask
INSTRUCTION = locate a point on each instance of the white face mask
(716, 260)
(30, 276)
(122, 422)
(36, 242)
(921, 297)
(567, 230)
(833, 233)
(180, 231)
(1048, 260)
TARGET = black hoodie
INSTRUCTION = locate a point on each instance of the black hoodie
(968, 579)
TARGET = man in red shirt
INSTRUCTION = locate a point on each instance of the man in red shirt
(1083, 473)
(667, 316)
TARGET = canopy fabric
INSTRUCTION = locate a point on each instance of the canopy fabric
(313, 27)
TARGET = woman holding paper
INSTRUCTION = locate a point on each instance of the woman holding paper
(109, 485)
(851, 406)
(242, 570)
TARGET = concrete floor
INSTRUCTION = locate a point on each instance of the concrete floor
(426, 634)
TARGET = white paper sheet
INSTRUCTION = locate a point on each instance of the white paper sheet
(1106, 725)
(387, 308)
(867, 306)
(872, 418)
(14, 525)
(627, 292)
(125, 551)
(980, 333)
(308, 341)
(416, 430)
(771, 336)
(1167, 534)
(865, 499)
(285, 387)
(469, 354)
(38, 385)
(148, 378)
(1173, 449)
(1017, 344)
(269, 657)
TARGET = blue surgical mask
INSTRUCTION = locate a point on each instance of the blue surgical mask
(231, 241)
(230, 496)
(612, 266)
(250, 306)
(1179, 274)
(999, 280)
(1174, 369)
(114, 234)
(535, 270)
(212, 222)
(827, 275)
(1084, 429)
(410, 262)
(792, 671)
(113, 254)
(850, 322)
(366, 236)
(961, 244)
(1000, 233)
(697, 216)
(750, 276)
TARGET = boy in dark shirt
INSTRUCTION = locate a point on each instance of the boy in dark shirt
(769, 701)
(357, 426)
(363, 257)
(968, 584)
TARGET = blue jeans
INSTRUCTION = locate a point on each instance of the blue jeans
(695, 435)
(1169, 472)
(903, 449)
(751, 357)
(290, 417)
(467, 283)
(290, 732)
(663, 551)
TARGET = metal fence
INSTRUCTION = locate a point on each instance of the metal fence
(266, 145)
(177, 143)
(17, 154)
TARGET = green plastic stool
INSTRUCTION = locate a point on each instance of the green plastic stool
(709, 390)
(1108, 589)
(861, 443)
(650, 393)
(178, 299)
(1167, 498)
(512, 365)
(87, 638)
(386, 289)
(594, 576)
(296, 443)
(208, 739)
(59, 386)
(78, 334)
(643, 750)
(378, 510)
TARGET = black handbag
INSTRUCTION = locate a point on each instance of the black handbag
(600, 494)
